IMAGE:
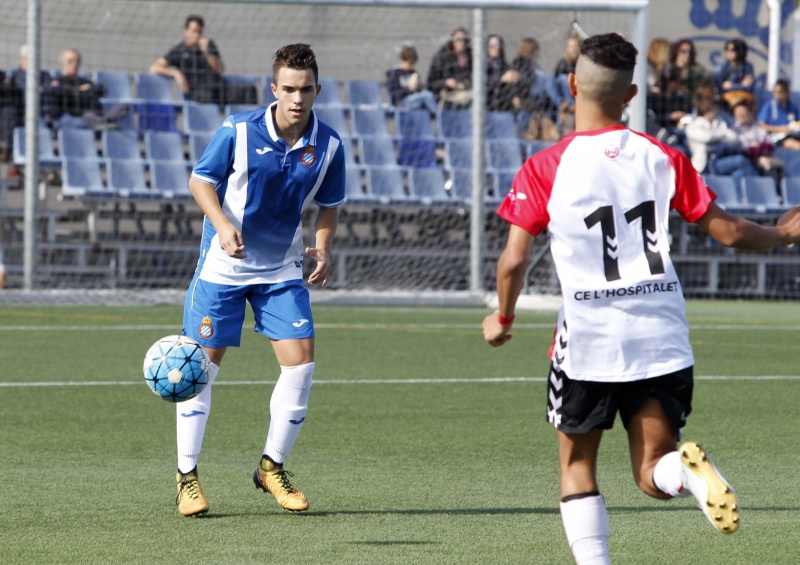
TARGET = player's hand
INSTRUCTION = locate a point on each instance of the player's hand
(323, 268)
(230, 239)
(203, 44)
(495, 333)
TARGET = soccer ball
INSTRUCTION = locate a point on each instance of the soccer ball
(176, 368)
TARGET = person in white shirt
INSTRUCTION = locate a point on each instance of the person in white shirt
(604, 194)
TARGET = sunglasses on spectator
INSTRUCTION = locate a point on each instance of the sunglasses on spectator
(459, 39)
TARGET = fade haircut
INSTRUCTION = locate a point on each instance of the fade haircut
(604, 70)
(297, 56)
(611, 51)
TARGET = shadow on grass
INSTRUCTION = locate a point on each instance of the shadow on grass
(399, 512)
(394, 542)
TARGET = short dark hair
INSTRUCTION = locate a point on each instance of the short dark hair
(196, 19)
(783, 83)
(610, 50)
(295, 56)
(409, 53)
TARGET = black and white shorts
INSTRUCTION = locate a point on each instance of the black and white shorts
(578, 407)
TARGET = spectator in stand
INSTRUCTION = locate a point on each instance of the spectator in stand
(714, 146)
(404, 85)
(12, 100)
(755, 141)
(72, 99)
(736, 73)
(565, 66)
(501, 79)
(681, 79)
(450, 73)
(195, 63)
(657, 60)
(526, 63)
(780, 117)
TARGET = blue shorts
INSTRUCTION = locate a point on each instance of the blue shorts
(214, 313)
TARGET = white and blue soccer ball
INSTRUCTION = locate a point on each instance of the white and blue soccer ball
(176, 368)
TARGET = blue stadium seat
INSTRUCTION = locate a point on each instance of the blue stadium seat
(503, 154)
(77, 144)
(532, 147)
(377, 151)
(791, 160)
(761, 194)
(728, 194)
(121, 144)
(501, 125)
(349, 151)
(414, 123)
(169, 179)
(386, 183)
(329, 93)
(200, 118)
(155, 116)
(126, 178)
(461, 185)
(117, 85)
(81, 177)
(155, 88)
(231, 109)
(364, 93)
(163, 146)
(47, 155)
(427, 185)
(790, 191)
(334, 117)
(197, 144)
(502, 181)
(455, 124)
(418, 153)
(458, 154)
(353, 187)
(370, 122)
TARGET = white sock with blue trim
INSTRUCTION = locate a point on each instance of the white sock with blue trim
(192, 416)
(288, 407)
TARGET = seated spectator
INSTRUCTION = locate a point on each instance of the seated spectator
(657, 60)
(565, 66)
(680, 81)
(450, 73)
(780, 117)
(73, 98)
(12, 100)
(736, 73)
(195, 63)
(404, 85)
(756, 143)
(501, 79)
(714, 146)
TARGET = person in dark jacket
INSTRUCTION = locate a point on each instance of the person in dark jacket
(450, 74)
(405, 87)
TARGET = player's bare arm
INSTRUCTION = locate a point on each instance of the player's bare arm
(327, 220)
(230, 239)
(511, 269)
(744, 234)
(161, 67)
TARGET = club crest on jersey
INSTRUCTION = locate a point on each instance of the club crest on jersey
(206, 330)
(612, 151)
(308, 157)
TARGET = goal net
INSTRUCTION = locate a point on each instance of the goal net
(406, 226)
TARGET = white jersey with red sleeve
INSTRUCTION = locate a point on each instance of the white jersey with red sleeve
(604, 197)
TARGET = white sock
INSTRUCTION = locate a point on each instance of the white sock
(288, 407)
(586, 524)
(668, 475)
(192, 416)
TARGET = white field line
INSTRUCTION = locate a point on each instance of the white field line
(364, 326)
(491, 380)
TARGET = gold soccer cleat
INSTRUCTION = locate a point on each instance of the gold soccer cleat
(270, 477)
(191, 501)
(713, 493)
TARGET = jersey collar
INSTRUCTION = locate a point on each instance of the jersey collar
(596, 131)
(309, 138)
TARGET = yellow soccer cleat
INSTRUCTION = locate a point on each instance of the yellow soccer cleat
(191, 501)
(713, 493)
(270, 477)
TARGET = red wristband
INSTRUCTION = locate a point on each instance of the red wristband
(505, 321)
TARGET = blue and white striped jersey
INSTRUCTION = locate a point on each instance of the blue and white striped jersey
(263, 186)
